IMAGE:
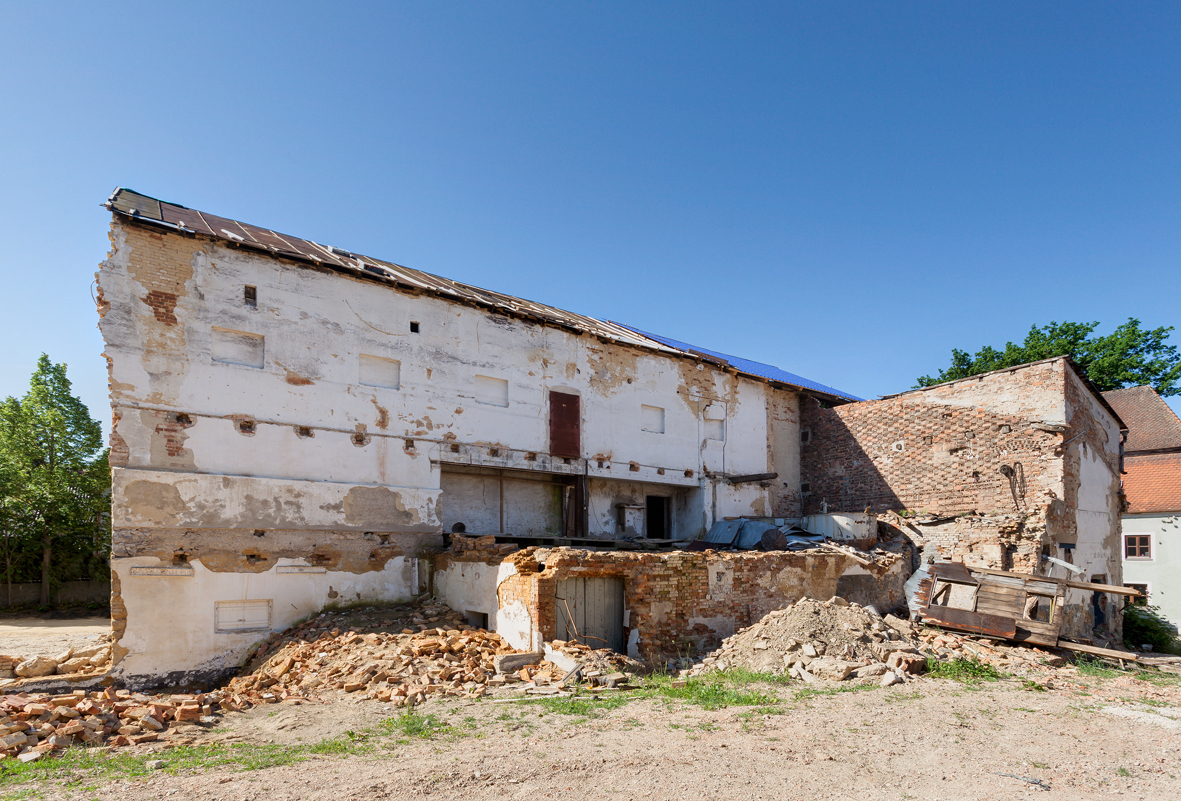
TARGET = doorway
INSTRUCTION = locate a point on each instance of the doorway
(590, 610)
(656, 519)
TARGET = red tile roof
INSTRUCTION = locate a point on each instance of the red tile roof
(1152, 424)
(1153, 483)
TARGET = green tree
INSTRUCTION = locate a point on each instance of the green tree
(54, 478)
(1128, 357)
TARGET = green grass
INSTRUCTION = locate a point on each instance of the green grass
(1095, 668)
(412, 725)
(714, 690)
(815, 692)
(967, 671)
(584, 705)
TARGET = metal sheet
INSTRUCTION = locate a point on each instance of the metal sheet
(975, 622)
(842, 527)
(723, 532)
(565, 420)
(751, 534)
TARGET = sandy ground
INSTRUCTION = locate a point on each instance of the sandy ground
(928, 739)
(38, 636)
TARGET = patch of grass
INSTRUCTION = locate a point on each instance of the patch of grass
(713, 691)
(100, 766)
(1088, 666)
(895, 698)
(413, 725)
(1124, 772)
(967, 671)
(1032, 686)
(586, 706)
(814, 692)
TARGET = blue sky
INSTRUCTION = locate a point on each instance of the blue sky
(844, 190)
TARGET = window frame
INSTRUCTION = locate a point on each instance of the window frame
(1146, 546)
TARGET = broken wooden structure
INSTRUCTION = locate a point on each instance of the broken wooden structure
(1011, 606)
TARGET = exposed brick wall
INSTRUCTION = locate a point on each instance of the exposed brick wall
(914, 452)
(679, 603)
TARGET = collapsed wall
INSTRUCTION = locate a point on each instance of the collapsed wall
(653, 606)
(997, 471)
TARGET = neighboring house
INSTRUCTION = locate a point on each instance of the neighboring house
(1152, 485)
(296, 425)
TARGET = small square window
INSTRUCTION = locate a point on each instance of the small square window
(1137, 546)
(414, 328)
(251, 297)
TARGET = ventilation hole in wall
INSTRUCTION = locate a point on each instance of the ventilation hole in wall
(360, 440)
(531, 457)
(970, 434)
(246, 426)
(258, 532)
(1005, 429)
(409, 445)
(180, 558)
(688, 474)
(385, 538)
(303, 432)
(251, 297)
(600, 463)
(183, 419)
(567, 461)
(454, 448)
(975, 475)
(634, 467)
(254, 558)
(494, 451)
(413, 328)
(805, 436)
(660, 471)
(805, 487)
(928, 440)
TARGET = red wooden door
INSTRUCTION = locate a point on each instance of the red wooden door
(565, 425)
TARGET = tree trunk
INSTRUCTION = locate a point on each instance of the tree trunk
(46, 560)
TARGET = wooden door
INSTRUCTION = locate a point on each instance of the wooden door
(565, 425)
(590, 610)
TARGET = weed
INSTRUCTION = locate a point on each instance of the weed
(967, 671)
(412, 724)
(1040, 765)
(894, 698)
(1032, 686)
(714, 691)
(813, 692)
(587, 706)
(1124, 772)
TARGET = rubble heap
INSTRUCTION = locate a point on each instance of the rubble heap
(834, 640)
(89, 660)
(403, 659)
(32, 726)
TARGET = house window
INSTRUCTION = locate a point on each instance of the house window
(1136, 546)
(250, 295)
(1143, 590)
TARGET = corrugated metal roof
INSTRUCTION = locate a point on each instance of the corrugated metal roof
(137, 206)
(768, 371)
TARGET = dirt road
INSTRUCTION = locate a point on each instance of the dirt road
(1085, 737)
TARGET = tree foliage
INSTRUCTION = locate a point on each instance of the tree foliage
(1129, 356)
(54, 483)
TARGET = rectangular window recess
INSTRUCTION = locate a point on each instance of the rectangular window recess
(300, 569)
(234, 616)
(715, 430)
(652, 419)
(251, 296)
(378, 371)
(237, 347)
(491, 391)
(162, 571)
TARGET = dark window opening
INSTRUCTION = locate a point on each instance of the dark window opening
(656, 522)
(246, 426)
(477, 619)
(1143, 590)
(251, 297)
(414, 328)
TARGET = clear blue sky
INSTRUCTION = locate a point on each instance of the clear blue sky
(844, 190)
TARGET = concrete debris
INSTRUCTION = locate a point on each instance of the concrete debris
(32, 726)
(75, 661)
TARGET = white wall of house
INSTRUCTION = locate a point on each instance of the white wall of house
(1161, 570)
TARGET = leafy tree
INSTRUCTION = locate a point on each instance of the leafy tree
(1127, 357)
(54, 478)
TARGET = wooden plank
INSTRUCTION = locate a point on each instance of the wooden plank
(1092, 649)
(963, 620)
(1078, 585)
(994, 591)
(1001, 609)
(952, 571)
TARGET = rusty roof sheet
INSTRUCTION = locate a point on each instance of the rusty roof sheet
(133, 205)
(1152, 425)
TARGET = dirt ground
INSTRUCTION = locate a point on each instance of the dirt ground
(1083, 737)
(35, 636)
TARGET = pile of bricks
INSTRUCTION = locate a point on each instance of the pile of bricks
(443, 657)
(32, 726)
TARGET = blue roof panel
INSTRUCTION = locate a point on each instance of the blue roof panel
(767, 371)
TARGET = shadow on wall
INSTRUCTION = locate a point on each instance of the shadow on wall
(836, 473)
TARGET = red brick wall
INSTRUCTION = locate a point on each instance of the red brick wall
(906, 453)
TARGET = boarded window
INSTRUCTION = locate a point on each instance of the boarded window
(715, 429)
(242, 615)
(652, 419)
(379, 372)
(565, 419)
(237, 347)
(492, 391)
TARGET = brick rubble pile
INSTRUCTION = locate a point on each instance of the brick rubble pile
(32, 726)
